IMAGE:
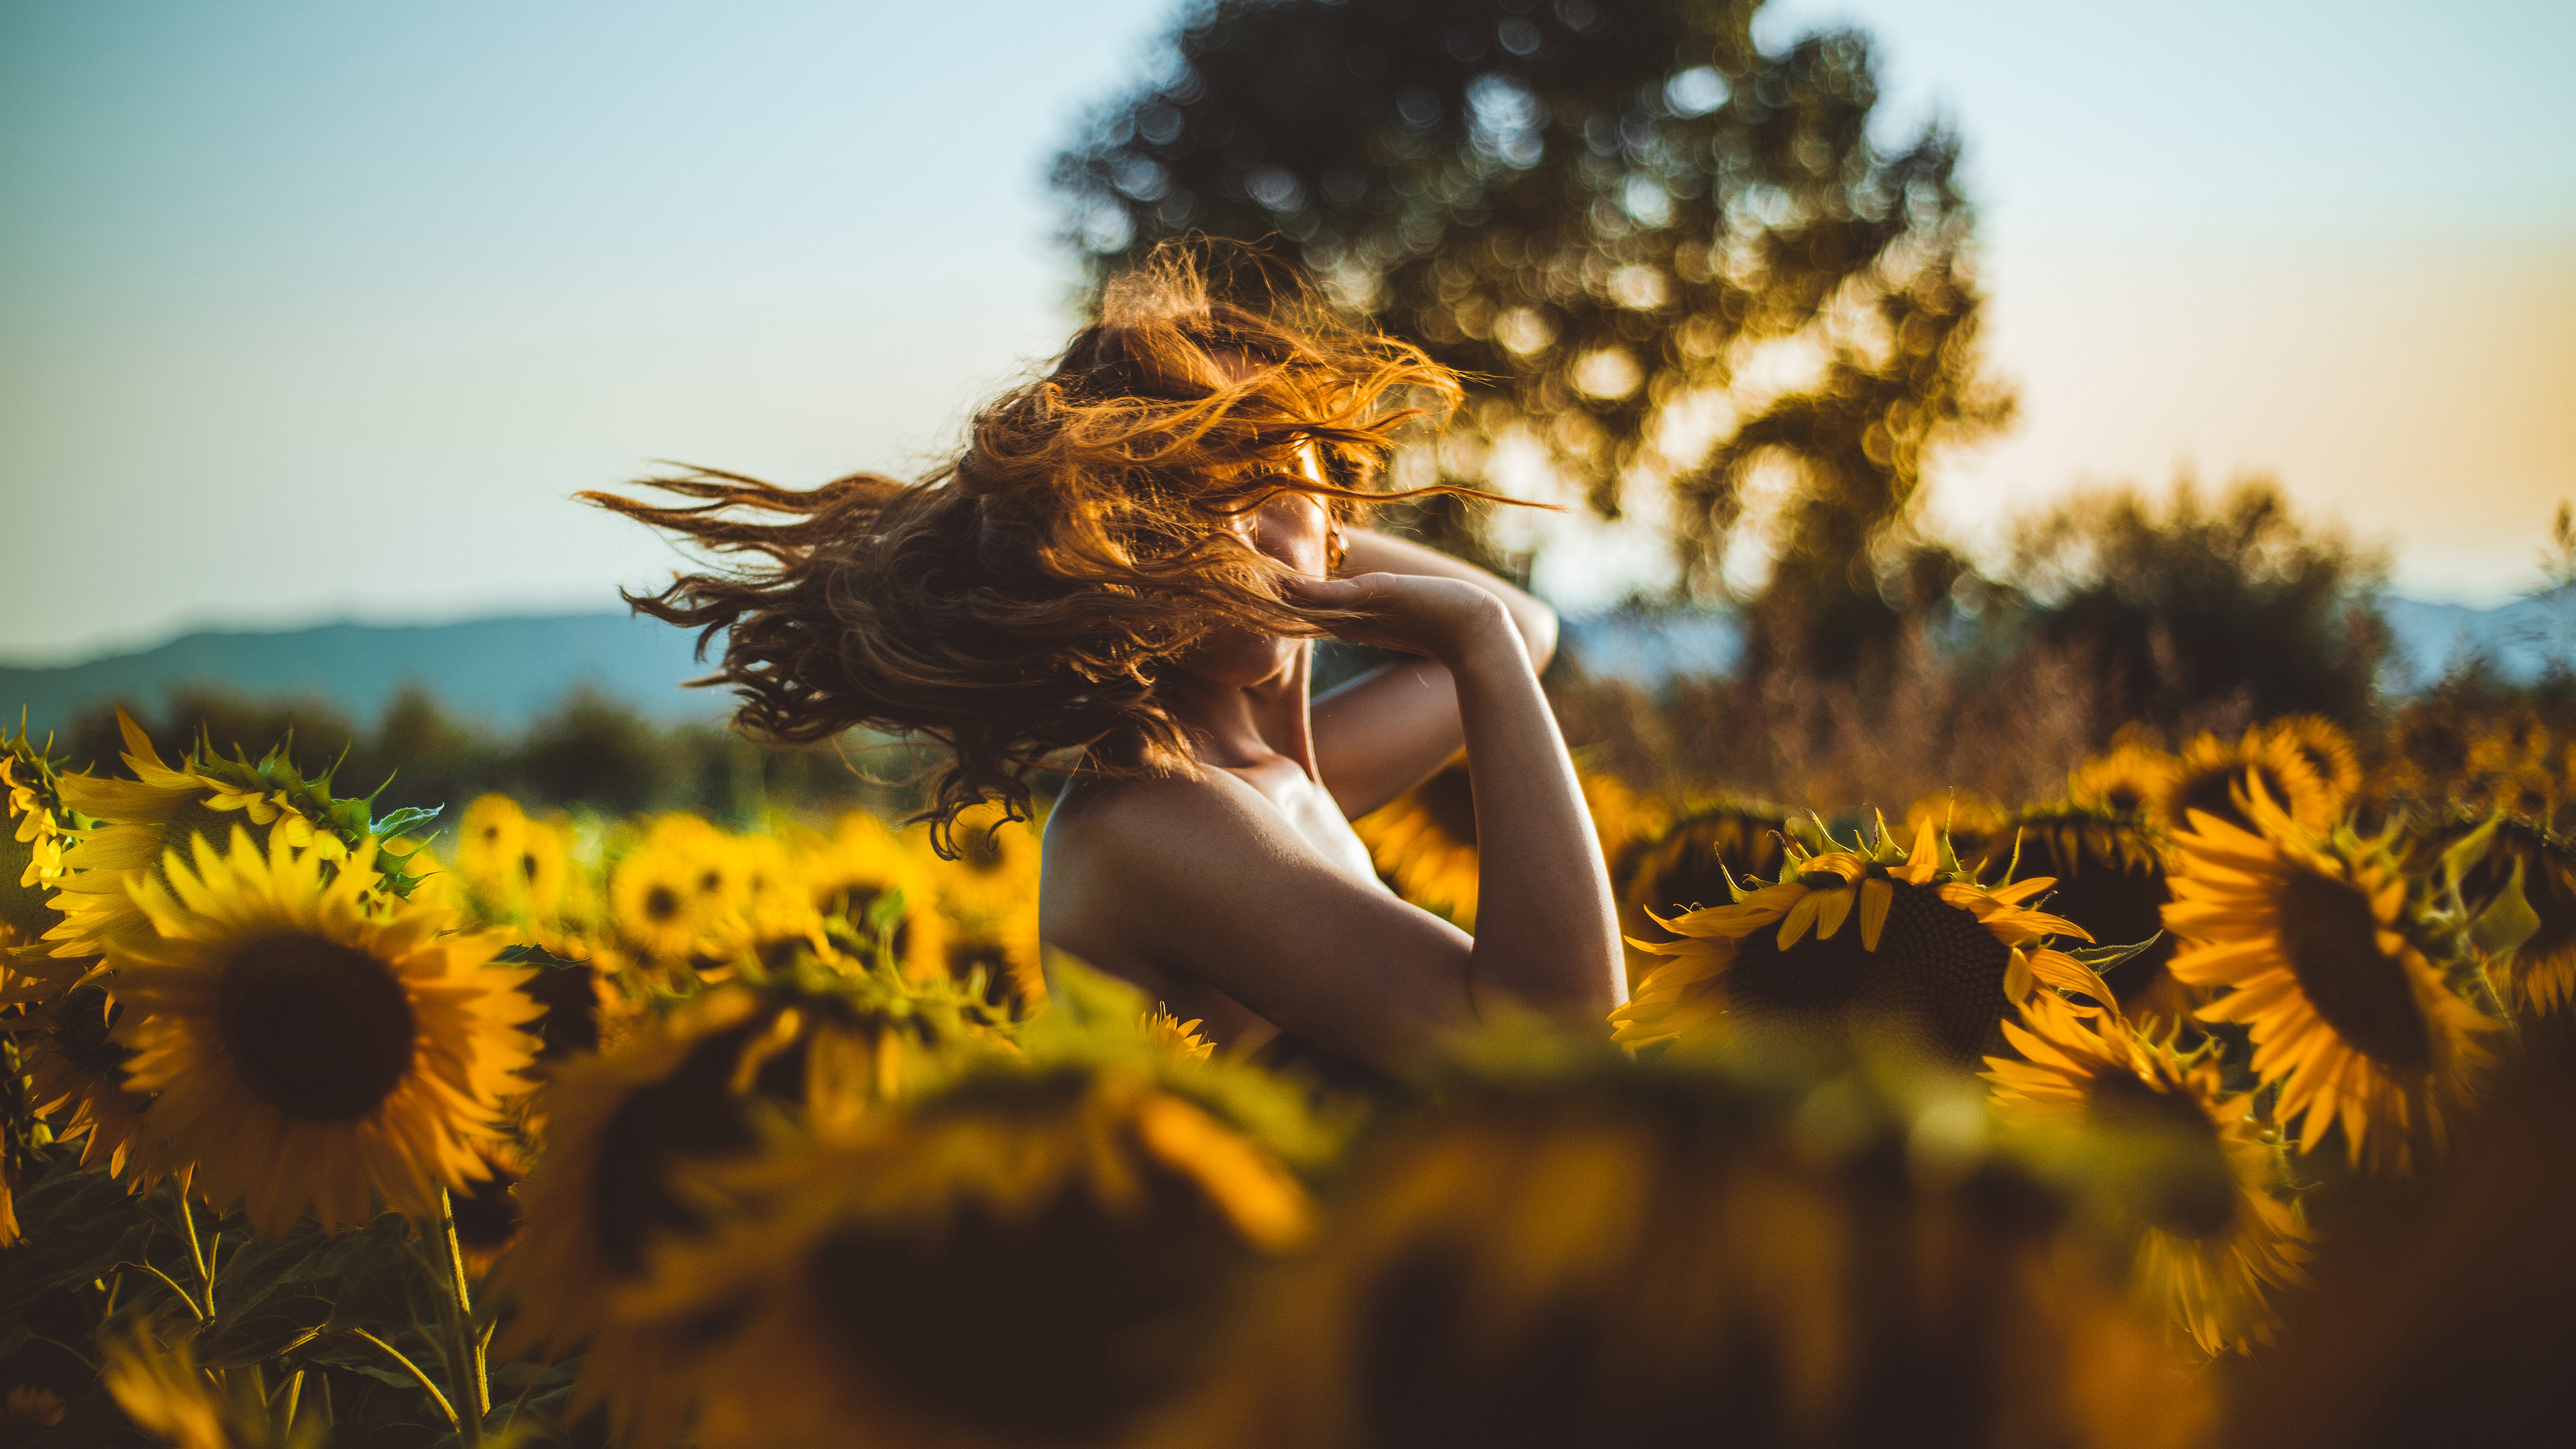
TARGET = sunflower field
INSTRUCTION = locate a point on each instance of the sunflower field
(2225, 1097)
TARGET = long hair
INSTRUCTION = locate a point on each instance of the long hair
(1021, 601)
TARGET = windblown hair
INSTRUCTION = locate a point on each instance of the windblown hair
(1021, 601)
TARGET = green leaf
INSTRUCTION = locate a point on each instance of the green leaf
(2508, 920)
(357, 1356)
(281, 1324)
(78, 1224)
(530, 955)
(2103, 958)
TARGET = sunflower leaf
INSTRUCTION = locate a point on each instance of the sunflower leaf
(2103, 958)
(237, 1339)
(2508, 920)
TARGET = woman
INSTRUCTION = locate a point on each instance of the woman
(1122, 576)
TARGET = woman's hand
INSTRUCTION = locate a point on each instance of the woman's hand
(1444, 619)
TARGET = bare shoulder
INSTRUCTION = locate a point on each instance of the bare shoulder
(1170, 882)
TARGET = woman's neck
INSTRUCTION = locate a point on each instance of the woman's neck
(1245, 726)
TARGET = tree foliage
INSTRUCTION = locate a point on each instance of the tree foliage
(2196, 600)
(1603, 213)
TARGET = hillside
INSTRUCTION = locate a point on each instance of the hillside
(503, 673)
(499, 673)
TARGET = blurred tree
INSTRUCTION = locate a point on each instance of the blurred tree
(2194, 602)
(1602, 212)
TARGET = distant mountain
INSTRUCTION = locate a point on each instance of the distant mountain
(2520, 639)
(500, 673)
(503, 673)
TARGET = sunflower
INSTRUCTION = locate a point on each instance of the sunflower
(75, 1071)
(1632, 1255)
(304, 1053)
(1625, 822)
(2329, 753)
(871, 881)
(2429, 748)
(996, 869)
(1181, 1038)
(27, 1405)
(629, 1133)
(141, 822)
(616, 1127)
(2127, 781)
(2310, 939)
(31, 848)
(2524, 850)
(2110, 880)
(2185, 1172)
(2212, 777)
(156, 1380)
(1691, 864)
(1424, 843)
(1074, 1229)
(517, 864)
(678, 887)
(1872, 935)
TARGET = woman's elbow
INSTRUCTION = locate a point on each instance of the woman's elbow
(1538, 626)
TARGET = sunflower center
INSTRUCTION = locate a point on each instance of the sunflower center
(2331, 938)
(2211, 793)
(1937, 975)
(2176, 1174)
(661, 905)
(321, 1031)
(1449, 800)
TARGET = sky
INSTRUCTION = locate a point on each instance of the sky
(315, 311)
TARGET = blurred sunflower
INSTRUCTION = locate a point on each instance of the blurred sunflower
(2328, 751)
(156, 1380)
(76, 1072)
(1074, 1229)
(618, 1129)
(2126, 781)
(1626, 823)
(1628, 1255)
(2524, 850)
(677, 888)
(1690, 864)
(1424, 843)
(517, 864)
(31, 847)
(140, 822)
(1876, 936)
(630, 1135)
(2212, 776)
(996, 869)
(2110, 879)
(866, 878)
(1181, 1038)
(2184, 1168)
(2429, 748)
(28, 1405)
(303, 1053)
(2309, 937)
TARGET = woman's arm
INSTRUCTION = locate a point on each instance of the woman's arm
(1206, 879)
(1386, 731)
(1546, 930)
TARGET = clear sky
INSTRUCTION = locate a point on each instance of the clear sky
(316, 310)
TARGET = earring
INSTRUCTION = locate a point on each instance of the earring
(1334, 552)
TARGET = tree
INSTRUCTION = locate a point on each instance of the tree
(1601, 213)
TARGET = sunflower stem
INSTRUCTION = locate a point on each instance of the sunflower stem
(465, 1349)
(196, 1255)
(426, 1382)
